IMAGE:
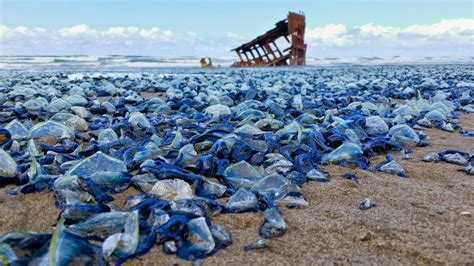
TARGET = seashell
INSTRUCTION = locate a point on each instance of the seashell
(171, 189)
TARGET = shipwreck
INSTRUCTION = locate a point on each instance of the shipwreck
(281, 46)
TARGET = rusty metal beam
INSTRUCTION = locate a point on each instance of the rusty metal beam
(265, 52)
(292, 29)
(270, 50)
(240, 56)
(278, 49)
(246, 56)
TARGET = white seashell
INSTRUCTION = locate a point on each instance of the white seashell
(172, 189)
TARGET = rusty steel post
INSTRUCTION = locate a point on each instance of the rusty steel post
(292, 29)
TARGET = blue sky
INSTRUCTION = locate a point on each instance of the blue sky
(216, 25)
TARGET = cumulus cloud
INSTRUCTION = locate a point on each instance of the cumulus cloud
(79, 30)
(447, 37)
(235, 36)
(329, 35)
(83, 39)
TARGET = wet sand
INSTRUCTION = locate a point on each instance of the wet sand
(417, 220)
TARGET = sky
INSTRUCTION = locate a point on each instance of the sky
(334, 28)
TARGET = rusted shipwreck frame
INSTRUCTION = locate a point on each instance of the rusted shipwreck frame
(263, 50)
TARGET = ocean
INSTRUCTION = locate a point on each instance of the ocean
(138, 63)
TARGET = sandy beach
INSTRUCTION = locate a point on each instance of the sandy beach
(424, 219)
(235, 132)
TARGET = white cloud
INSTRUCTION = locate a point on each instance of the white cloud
(3, 30)
(235, 36)
(168, 35)
(115, 31)
(37, 29)
(447, 37)
(446, 26)
(331, 34)
(21, 30)
(79, 30)
(377, 30)
(151, 33)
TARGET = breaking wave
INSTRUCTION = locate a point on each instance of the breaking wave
(118, 62)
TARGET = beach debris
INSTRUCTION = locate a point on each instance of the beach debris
(100, 225)
(458, 157)
(171, 189)
(455, 158)
(406, 154)
(431, 157)
(404, 135)
(468, 134)
(206, 64)
(67, 248)
(8, 166)
(352, 177)
(218, 110)
(259, 244)
(50, 130)
(376, 126)
(170, 247)
(15, 130)
(208, 144)
(98, 162)
(241, 174)
(347, 153)
(242, 201)
(318, 175)
(366, 204)
(123, 244)
(365, 235)
(200, 241)
(393, 167)
(469, 169)
(221, 237)
(273, 225)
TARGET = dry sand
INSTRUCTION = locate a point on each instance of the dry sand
(417, 220)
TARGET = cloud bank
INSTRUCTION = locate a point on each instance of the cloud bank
(447, 37)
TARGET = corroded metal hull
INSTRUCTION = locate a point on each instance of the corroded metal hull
(264, 51)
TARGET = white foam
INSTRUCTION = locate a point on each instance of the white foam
(146, 62)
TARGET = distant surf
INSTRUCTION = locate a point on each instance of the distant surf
(114, 62)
